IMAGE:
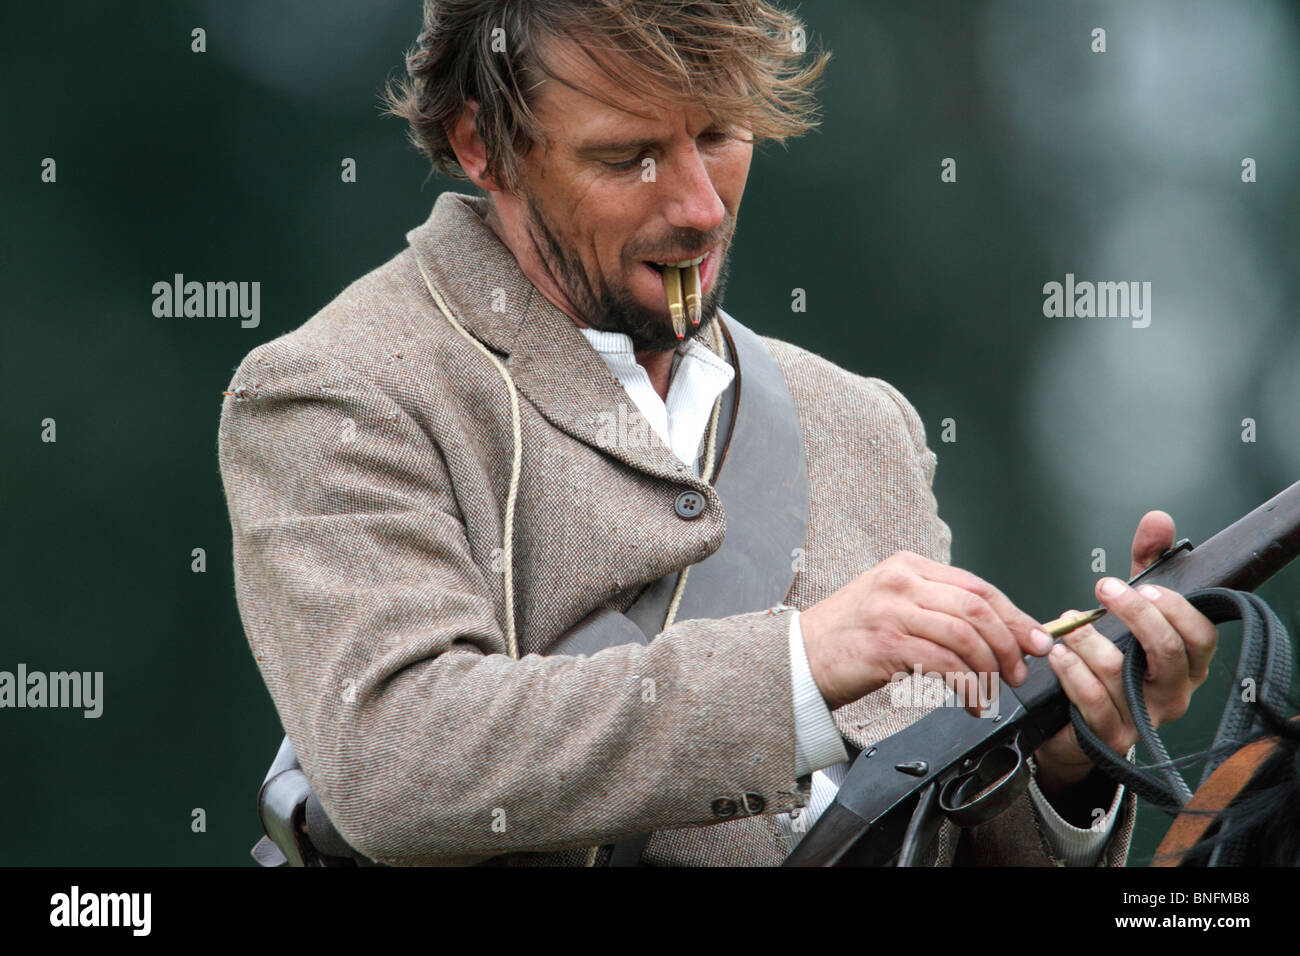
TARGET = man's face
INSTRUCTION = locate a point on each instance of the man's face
(597, 214)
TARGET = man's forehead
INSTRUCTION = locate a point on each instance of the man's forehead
(588, 102)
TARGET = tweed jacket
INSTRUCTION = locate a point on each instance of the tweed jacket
(368, 461)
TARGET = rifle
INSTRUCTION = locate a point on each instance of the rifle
(970, 769)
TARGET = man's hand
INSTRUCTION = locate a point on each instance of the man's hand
(1179, 642)
(909, 612)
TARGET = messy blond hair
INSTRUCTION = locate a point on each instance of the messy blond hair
(744, 61)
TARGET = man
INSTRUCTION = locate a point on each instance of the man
(426, 497)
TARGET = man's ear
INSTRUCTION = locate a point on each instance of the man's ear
(468, 146)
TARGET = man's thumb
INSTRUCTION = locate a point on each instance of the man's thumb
(1155, 533)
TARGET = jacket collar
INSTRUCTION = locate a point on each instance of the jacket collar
(550, 360)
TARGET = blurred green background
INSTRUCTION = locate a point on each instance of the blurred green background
(1123, 165)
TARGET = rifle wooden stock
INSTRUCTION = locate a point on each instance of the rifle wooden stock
(866, 823)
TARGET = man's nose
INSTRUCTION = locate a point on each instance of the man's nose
(693, 202)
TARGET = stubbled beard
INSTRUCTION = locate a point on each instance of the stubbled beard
(612, 310)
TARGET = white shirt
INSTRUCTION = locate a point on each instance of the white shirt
(698, 378)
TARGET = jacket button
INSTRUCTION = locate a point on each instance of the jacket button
(754, 803)
(689, 504)
(724, 807)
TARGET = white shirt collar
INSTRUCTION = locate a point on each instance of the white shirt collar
(700, 377)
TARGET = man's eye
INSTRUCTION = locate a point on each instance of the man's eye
(717, 137)
(626, 164)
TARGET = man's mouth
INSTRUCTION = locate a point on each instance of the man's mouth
(680, 264)
(705, 262)
(682, 282)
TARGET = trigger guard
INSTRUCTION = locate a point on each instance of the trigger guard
(1003, 769)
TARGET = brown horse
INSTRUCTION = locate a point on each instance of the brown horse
(1247, 812)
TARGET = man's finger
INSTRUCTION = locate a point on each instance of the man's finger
(1167, 663)
(953, 635)
(973, 609)
(1155, 534)
(1200, 636)
(1017, 621)
(1087, 692)
(931, 658)
(1105, 660)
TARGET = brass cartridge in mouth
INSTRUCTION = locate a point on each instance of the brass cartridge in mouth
(691, 290)
(682, 287)
(676, 302)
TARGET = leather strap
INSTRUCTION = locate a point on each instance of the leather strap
(1211, 799)
(764, 492)
(605, 627)
(1265, 660)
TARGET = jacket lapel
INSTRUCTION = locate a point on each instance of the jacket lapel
(550, 361)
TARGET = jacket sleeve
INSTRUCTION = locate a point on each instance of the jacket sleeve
(1017, 837)
(378, 637)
